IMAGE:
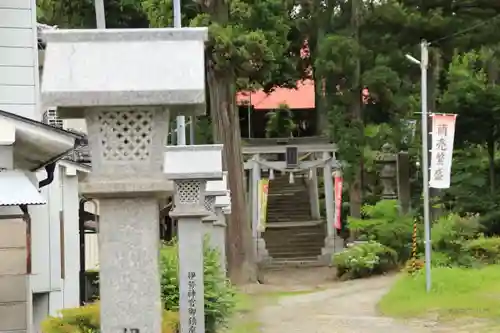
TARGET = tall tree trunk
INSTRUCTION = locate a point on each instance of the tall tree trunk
(226, 130)
(226, 126)
(492, 80)
(320, 27)
(491, 164)
(319, 81)
(356, 185)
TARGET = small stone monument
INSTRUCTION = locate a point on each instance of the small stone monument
(403, 181)
(126, 83)
(190, 178)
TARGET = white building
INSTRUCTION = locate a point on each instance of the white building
(53, 280)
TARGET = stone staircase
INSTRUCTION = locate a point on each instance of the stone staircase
(288, 202)
(292, 236)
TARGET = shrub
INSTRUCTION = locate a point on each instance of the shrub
(364, 259)
(86, 319)
(486, 250)
(219, 295)
(450, 235)
(490, 223)
(441, 259)
(384, 223)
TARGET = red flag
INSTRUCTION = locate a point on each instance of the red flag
(338, 202)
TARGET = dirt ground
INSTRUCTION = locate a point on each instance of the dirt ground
(316, 303)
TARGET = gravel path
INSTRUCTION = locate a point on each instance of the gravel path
(348, 308)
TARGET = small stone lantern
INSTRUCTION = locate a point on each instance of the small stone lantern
(190, 180)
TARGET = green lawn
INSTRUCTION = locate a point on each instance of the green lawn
(456, 292)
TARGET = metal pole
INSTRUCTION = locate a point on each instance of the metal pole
(424, 60)
(181, 120)
(249, 114)
(177, 13)
(192, 124)
(100, 17)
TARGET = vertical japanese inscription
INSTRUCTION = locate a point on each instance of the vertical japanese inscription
(192, 301)
(441, 149)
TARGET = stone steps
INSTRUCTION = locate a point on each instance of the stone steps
(303, 242)
(292, 238)
(278, 264)
(287, 219)
(295, 242)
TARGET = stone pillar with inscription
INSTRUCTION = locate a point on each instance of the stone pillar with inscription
(190, 180)
(126, 83)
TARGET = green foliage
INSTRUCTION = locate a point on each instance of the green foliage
(442, 259)
(364, 259)
(247, 39)
(280, 123)
(471, 95)
(87, 319)
(81, 13)
(384, 223)
(450, 235)
(490, 222)
(219, 298)
(456, 293)
(451, 231)
(84, 319)
(219, 295)
(486, 250)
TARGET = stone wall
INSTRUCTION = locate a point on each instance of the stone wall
(13, 278)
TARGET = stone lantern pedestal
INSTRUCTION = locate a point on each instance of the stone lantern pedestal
(190, 179)
(126, 84)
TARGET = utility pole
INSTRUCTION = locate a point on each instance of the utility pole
(100, 16)
(424, 63)
(181, 120)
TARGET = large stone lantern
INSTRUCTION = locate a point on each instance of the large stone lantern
(126, 84)
(387, 159)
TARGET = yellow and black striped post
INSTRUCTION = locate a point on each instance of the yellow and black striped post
(414, 248)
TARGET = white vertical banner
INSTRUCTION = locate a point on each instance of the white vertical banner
(443, 135)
